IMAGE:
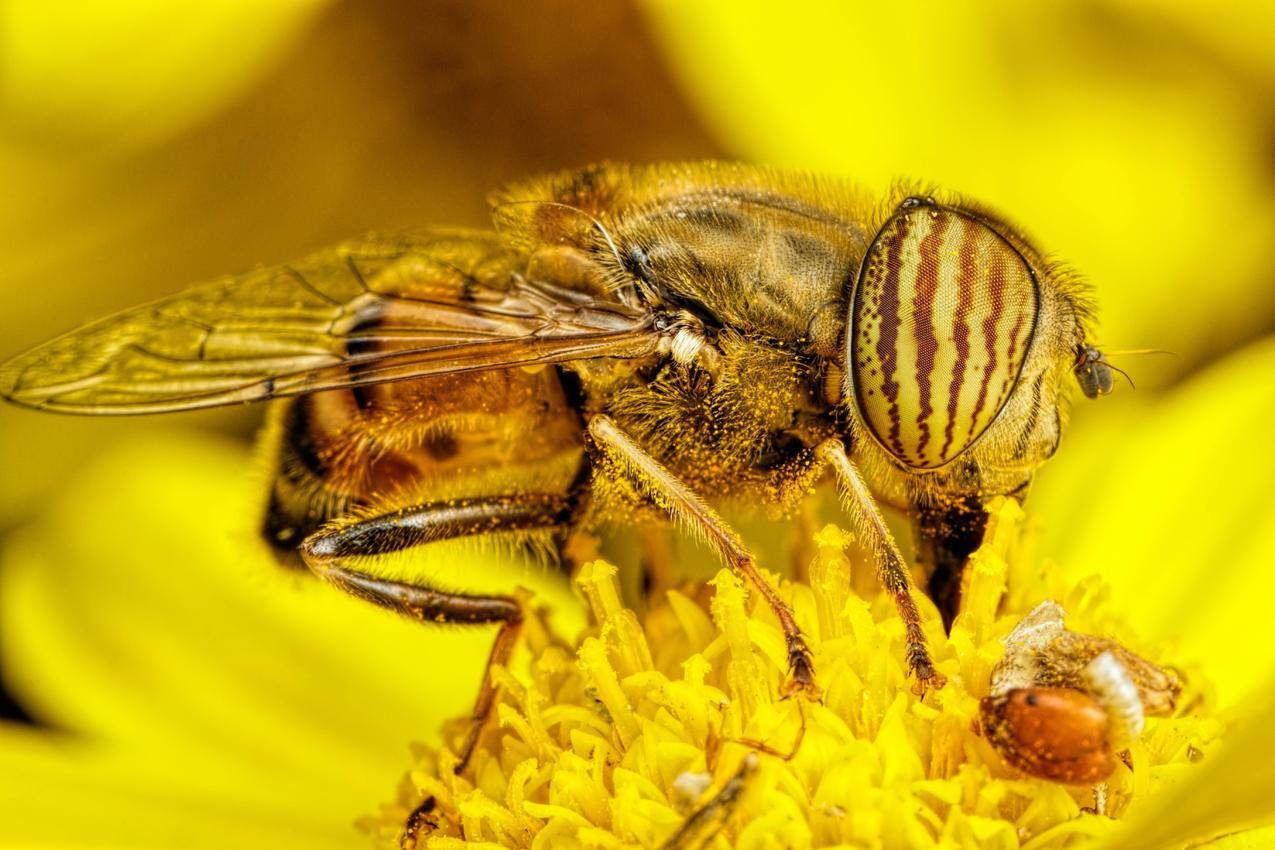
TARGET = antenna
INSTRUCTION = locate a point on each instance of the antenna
(1130, 351)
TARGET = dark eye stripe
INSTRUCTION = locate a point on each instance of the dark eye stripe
(961, 333)
(988, 332)
(888, 337)
(943, 312)
(926, 290)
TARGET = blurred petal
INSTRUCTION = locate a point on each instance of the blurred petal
(1260, 839)
(1243, 36)
(112, 75)
(56, 794)
(1124, 149)
(1233, 789)
(1250, 839)
(1170, 500)
(143, 610)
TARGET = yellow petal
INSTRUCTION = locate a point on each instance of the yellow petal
(122, 74)
(1233, 789)
(1250, 839)
(1241, 37)
(58, 793)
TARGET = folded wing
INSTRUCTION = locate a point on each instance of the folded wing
(367, 311)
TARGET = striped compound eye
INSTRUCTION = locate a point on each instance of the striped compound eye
(944, 309)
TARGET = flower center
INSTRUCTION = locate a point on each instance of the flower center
(668, 729)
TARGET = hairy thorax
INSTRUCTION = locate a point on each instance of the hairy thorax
(740, 431)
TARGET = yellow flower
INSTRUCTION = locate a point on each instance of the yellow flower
(636, 735)
(196, 697)
(212, 702)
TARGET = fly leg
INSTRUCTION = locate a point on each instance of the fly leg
(707, 822)
(892, 570)
(670, 494)
(329, 550)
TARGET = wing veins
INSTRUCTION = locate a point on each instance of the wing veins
(353, 266)
(309, 287)
(281, 331)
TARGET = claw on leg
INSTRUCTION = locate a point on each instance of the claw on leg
(920, 665)
(800, 680)
(501, 650)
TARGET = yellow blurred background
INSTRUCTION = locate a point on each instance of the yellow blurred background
(146, 145)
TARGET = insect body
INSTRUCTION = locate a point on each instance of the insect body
(1061, 704)
(625, 336)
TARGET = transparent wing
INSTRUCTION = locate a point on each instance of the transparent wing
(368, 311)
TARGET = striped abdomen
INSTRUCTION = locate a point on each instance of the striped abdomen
(943, 313)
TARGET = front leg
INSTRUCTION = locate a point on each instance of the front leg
(672, 495)
(892, 570)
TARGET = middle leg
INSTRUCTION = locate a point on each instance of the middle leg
(673, 496)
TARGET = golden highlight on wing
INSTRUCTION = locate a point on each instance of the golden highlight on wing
(384, 308)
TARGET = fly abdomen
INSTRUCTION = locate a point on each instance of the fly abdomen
(303, 495)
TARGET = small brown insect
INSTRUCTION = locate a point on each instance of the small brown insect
(1093, 372)
(626, 338)
(1062, 705)
(707, 821)
(1052, 733)
(420, 822)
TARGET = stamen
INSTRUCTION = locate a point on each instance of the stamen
(670, 726)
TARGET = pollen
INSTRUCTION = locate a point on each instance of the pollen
(667, 728)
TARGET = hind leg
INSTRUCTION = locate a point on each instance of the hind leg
(328, 552)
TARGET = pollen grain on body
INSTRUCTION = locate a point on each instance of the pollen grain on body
(669, 730)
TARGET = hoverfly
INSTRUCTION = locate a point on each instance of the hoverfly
(626, 336)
